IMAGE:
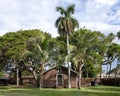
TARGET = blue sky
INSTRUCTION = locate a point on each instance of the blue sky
(100, 15)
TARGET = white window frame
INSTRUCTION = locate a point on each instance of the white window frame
(57, 79)
(59, 69)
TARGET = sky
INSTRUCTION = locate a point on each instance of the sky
(99, 15)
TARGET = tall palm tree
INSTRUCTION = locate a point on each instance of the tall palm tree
(66, 25)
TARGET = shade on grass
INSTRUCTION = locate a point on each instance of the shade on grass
(88, 91)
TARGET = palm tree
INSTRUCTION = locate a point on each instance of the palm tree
(39, 54)
(66, 25)
(84, 50)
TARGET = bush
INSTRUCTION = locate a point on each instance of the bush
(1, 73)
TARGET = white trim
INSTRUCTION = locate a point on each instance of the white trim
(57, 79)
(59, 69)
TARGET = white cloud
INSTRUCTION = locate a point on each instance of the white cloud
(27, 14)
(103, 27)
(106, 2)
(41, 14)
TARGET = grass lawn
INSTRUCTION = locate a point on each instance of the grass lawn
(88, 91)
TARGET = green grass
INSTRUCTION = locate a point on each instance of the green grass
(88, 91)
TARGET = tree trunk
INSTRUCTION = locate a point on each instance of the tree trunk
(20, 76)
(110, 70)
(69, 66)
(41, 74)
(37, 83)
(17, 76)
(86, 74)
(36, 79)
(101, 74)
(41, 80)
(107, 71)
(116, 69)
(79, 79)
(80, 65)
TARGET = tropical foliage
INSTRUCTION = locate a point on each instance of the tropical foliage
(35, 50)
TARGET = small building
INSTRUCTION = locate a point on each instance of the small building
(57, 77)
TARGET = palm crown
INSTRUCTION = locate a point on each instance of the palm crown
(65, 23)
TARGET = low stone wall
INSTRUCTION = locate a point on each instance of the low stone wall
(111, 81)
(29, 81)
(90, 82)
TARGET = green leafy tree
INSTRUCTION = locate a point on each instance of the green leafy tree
(14, 45)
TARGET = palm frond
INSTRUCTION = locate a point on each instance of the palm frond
(72, 48)
(75, 23)
(75, 60)
(26, 52)
(66, 23)
(58, 22)
(70, 9)
(69, 57)
(61, 10)
(39, 47)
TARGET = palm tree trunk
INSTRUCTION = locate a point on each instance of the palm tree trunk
(68, 52)
(110, 70)
(80, 65)
(116, 69)
(69, 81)
(107, 71)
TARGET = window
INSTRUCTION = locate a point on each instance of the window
(59, 69)
(59, 79)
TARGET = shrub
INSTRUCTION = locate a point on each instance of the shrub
(1, 73)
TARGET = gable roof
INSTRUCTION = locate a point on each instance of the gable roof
(62, 67)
